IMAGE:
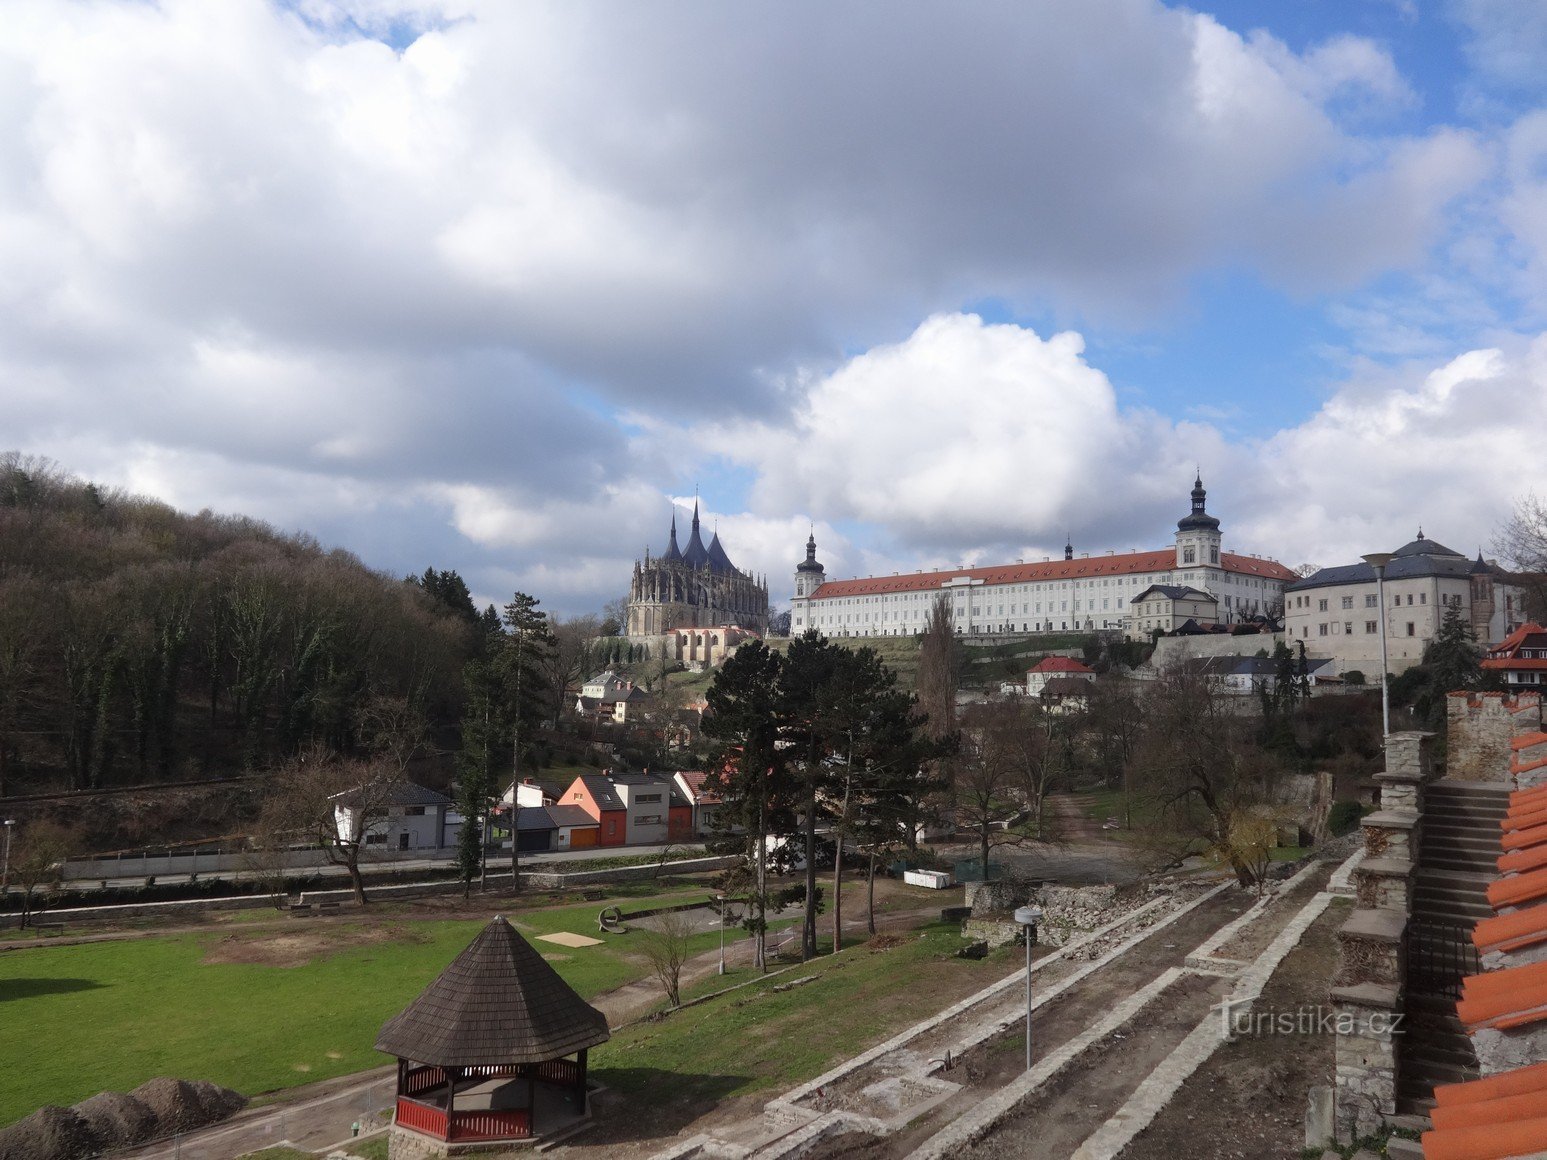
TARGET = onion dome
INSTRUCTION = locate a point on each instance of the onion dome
(809, 564)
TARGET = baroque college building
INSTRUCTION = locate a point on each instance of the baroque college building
(1084, 593)
(675, 596)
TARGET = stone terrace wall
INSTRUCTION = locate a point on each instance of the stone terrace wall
(1479, 729)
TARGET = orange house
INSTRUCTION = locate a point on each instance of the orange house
(594, 793)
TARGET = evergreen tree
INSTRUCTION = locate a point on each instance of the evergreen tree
(1453, 657)
(528, 638)
(485, 739)
(750, 767)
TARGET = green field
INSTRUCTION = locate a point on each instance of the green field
(757, 1038)
(305, 1006)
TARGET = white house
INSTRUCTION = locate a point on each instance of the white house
(1049, 668)
(1167, 607)
(406, 817)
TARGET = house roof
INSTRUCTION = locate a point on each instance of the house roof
(1421, 557)
(570, 816)
(400, 793)
(601, 791)
(1060, 665)
(698, 792)
(1118, 564)
(498, 1002)
(1066, 687)
(1175, 592)
(1498, 1116)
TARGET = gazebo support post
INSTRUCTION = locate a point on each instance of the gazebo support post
(584, 1052)
(452, 1075)
(402, 1074)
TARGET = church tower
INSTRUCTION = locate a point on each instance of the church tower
(809, 575)
(1197, 533)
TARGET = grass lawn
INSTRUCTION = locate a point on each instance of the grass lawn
(255, 1010)
(756, 1038)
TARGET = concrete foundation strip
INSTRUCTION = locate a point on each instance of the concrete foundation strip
(1342, 879)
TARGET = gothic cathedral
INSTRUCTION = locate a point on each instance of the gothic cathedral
(695, 587)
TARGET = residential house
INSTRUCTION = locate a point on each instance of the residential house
(703, 802)
(1050, 667)
(1167, 608)
(595, 794)
(1066, 694)
(1520, 658)
(403, 817)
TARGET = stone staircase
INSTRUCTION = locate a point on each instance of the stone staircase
(1457, 849)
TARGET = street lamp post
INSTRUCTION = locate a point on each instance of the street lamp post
(720, 898)
(1028, 917)
(5, 873)
(1378, 561)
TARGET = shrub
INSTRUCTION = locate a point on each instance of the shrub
(1353, 677)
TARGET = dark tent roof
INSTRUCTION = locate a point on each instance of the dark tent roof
(672, 551)
(695, 555)
(498, 1002)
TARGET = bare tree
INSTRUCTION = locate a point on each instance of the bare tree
(35, 864)
(569, 659)
(1198, 762)
(665, 944)
(1522, 541)
(339, 803)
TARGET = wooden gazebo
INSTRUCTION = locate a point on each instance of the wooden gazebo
(497, 1035)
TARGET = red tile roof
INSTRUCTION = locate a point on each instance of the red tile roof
(1060, 665)
(694, 779)
(1518, 889)
(1512, 997)
(1121, 564)
(1490, 1119)
(1510, 932)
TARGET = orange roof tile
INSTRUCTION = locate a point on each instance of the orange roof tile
(1510, 932)
(1518, 889)
(1487, 1141)
(1532, 1077)
(1521, 861)
(1060, 665)
(1524, 839)
(1512, 997)
(1119, 564)
(1526, 740)
(1524, 821)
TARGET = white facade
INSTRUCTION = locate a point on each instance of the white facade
(1336, 613)
(1065, 595)
(1166, 607)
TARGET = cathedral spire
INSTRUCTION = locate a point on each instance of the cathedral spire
(672, 551)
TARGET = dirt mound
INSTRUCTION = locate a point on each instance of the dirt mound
(180, 1106)
(220, 1102)
(117, 1120)
(884, 942)
(50, 1133)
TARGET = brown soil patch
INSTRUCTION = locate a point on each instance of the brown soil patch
(885, 942)
(296, 948)
(117, 1119)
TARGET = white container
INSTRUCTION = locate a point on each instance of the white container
(933, 879)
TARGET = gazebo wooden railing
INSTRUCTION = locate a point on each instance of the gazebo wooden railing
(461, 1126)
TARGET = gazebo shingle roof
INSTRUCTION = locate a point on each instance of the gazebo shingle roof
(498, 1002)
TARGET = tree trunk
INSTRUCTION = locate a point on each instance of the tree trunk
(355, 879)
(808, 926)
(983, 840)
(870, 891)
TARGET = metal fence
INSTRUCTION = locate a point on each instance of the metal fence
(1439, 956)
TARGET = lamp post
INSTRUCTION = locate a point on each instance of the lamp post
(5, 873)
(1378, 561)
(1028, 917)
(720, 898)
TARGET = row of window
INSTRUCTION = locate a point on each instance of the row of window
(1346, 628)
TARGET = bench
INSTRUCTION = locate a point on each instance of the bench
(329, 905)
(48, 926)
(300, 910)
(593, 895)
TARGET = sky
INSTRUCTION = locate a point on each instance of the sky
(491, 286)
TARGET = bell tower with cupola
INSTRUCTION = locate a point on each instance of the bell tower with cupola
(1197, 533)
(809, 575)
